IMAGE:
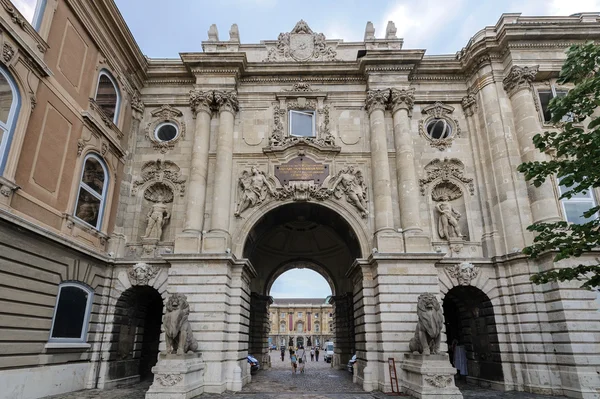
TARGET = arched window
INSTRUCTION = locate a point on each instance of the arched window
(317, 327)
(9, 106)
(107, 95)
(71, 313)
(32, 10)
(92, 191)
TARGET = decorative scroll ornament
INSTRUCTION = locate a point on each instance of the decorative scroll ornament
(439, 112)
(136, 102)
(469, 104)
(301, 44)
(141, 273)
(350, 183)
(519, 78)
(445, 170)
(7, 52)
(377, 99)
(255, 188)
(165, 114)
(160, 171)
(301, 86)
(464, 272)
(402, 99)
(168, 380)
(226, 101)
(201, 101)
(439, 381)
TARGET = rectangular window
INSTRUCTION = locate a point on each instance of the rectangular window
(574, 207)
(299, 314)
(282, 316)
(316, 315)
(545, 97)
(302, 123)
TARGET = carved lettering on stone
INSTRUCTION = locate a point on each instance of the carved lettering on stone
(168, 380)
(445, 170)
(254, 189)
(141, 273)
(160, 171)
(351, 184)
(439, 381)
(301, 44)
(464, 272)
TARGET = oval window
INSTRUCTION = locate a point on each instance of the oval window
(439, 129)
(166, 132)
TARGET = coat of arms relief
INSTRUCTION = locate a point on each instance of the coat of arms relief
(301, 44)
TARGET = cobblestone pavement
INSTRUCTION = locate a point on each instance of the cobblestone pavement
(320, 381)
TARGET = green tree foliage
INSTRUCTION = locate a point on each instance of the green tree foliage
(575, 160)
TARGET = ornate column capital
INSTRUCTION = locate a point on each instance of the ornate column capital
(469, 104)
(201, 101)
(402, 99)
(519, 78)
(226, 101)
(377, 99)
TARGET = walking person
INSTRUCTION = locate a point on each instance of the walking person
(301, 354)
(293, 359)
(312, 354)
(317, 353)
(282, 353)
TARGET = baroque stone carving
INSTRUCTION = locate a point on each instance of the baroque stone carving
(168, 380)
(178, 331)
(165, 114)
(448, 217)
(226, 101)
(519, 78)
(427, 336)
(301, 86)
(156, 218)
(15, 15)
(301, 44)
(439, 381)
(442, 112)
(464, 272)
(136, 102)
(201, 101)
(402, 99)
(160, 171)
(141, 273)
(5, 190)
(377, 99)
(445, 170)
(7, 52)
(469, 104)
(254, 189)
(350, 183)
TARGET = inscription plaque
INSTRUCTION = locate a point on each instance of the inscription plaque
(302, 168)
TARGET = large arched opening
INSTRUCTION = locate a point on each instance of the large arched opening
(136, 335)
(472, 335)
(302, 235)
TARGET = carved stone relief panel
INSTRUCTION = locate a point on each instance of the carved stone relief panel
(159, 171)
(449, 168)
(302, 45)
(438, 127)
(464, 272)
(166, 128)
(141, 273)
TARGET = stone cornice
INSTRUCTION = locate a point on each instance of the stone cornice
(215, 63)
(519, 77)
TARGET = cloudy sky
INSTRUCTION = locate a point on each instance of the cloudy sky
(439, 26)
(300, 283)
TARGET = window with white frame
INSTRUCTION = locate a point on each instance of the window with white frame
(574, 207)
(282, 315)
(9, 106)
(32, 11)
(545, 96)
(91, 196)
(107, 95)
(302, 123)
(71, 313)
(282, 327)
(317, 327)
(299, 314)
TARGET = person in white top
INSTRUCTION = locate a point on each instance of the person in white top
(301, 354)
(312, 354)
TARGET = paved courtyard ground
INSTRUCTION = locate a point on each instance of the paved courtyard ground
(319, 381)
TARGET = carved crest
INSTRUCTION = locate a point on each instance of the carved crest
(160, 171)
(301, 44)
(445, 170)
(165, 114)
(141, 273)
(464, 272)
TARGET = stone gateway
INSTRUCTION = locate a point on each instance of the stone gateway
(140, 196)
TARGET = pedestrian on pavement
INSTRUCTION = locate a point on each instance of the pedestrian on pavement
(301, 354)
(312, 354)
(317, 353)
(282, 353)
(293, 359)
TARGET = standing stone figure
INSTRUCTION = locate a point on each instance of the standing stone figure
(429, 326)
(352, 184)
(178, 331)
(254, 189)
(448, 220)
(157, 217)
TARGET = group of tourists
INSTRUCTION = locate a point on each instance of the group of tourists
(298, 357)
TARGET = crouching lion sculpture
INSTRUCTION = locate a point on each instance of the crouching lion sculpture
(178, 331)
(429, 326)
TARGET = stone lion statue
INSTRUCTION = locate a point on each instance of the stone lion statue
(178, 331)
(429, 326)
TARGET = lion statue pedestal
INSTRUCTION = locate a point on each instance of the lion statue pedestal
(428, 374)
(179, 373)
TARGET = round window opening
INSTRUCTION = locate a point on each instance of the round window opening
(166, 132)
(439, 129)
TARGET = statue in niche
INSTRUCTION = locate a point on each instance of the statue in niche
(157, 217)
(254, 190)
(179, 336)
(448, 217)
(352, 184)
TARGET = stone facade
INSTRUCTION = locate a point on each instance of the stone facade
(125, 180)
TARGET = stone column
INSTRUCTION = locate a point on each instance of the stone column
(408, 193)
(544, 206)
(189, 240)
(219, 238)
(386, 238)
(259, 329)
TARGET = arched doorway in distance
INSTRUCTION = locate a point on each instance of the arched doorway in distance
(472, 335)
